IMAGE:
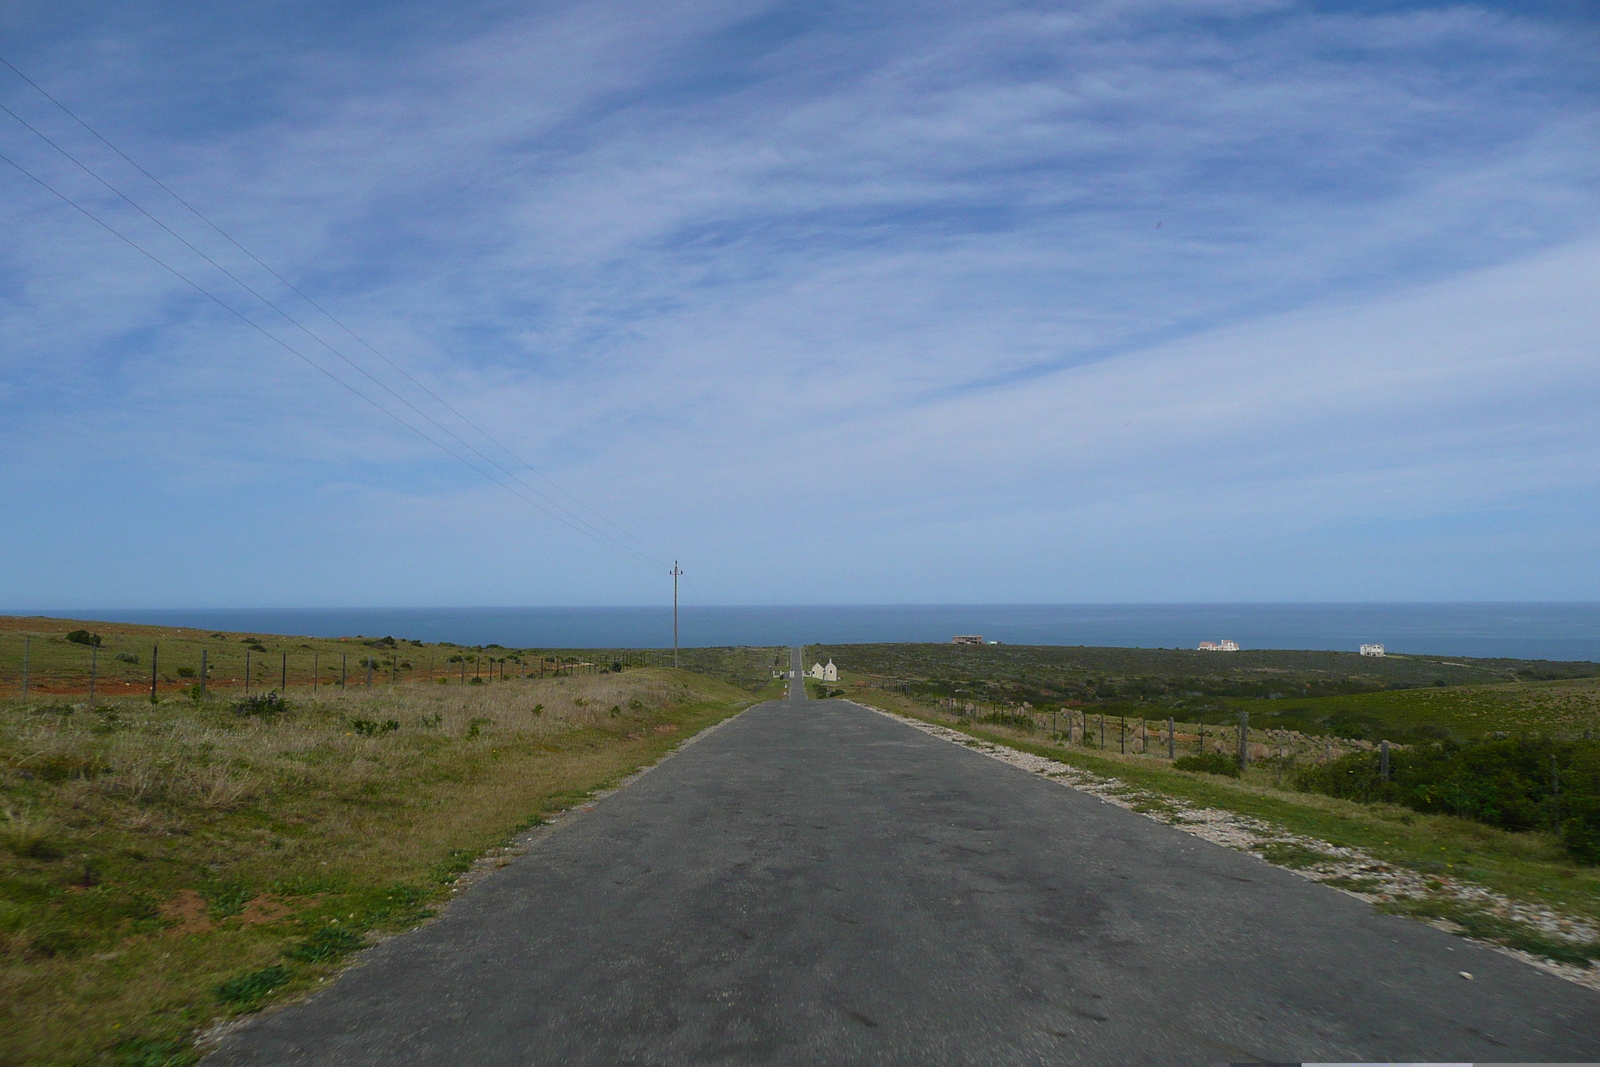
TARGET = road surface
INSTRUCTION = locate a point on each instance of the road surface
(815, 883)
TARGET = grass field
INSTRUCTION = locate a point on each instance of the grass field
(127, 658)
(165, 866)
(1319, 693)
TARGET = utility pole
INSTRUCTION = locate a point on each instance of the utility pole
(675, 574)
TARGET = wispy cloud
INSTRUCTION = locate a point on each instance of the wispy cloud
(872, 288)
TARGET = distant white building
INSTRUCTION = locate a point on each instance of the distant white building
(1224, 645)
(1372, 650)
(830, 673)
(967, 639)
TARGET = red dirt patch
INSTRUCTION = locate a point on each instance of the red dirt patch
(187, 911)
(264, 909)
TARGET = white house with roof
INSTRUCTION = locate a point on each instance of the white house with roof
(1372, 650)
(830, 673)
(1223, 645)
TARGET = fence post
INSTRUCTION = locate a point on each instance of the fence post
(27, 643)
(283, 678)
(1102, 731)
(344, 668)
(94, 663)
(369, 671)
(1170, 738)
(247, 674)
(154, 652)
(1555, 792)
(1202, 741)
(202, 674)
(1244, 738)
(316, 669)
(1383, 760)
(1122, 734)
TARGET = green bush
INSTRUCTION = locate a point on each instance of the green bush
(1209, 763)
(266, 705)
(84, 637)
(1503, 782)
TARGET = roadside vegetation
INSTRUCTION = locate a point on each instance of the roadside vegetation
(78, 658)
(1471, 797)
(165, 866)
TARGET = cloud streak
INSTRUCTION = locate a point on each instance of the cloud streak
(991, 284)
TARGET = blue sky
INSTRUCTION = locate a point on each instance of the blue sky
(837, 303)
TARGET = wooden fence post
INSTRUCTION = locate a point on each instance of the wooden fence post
(27, 644)
(1244, 738)
(1169, 737)
(1383, 760)
(283, 679)
(1555, 792)
(247, 674)
(344, 664)
(202, 674)
(154, 650)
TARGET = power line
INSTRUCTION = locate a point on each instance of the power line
(595, 535)
(328, 314)
(291, 319)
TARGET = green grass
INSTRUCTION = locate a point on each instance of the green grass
(163, 867)
(1314, 692)
(122, 662)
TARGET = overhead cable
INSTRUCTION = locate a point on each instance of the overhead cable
(236, 313)
(324, 311)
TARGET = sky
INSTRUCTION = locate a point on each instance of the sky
(983, 302)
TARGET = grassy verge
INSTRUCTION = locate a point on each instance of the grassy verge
(1524, 867)
(163, 867)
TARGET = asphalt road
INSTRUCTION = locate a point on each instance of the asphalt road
(814, 883)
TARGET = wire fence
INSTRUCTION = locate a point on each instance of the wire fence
(46, 666)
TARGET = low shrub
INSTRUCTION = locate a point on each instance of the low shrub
(1503, 782)
(374, 728)
(264, 705)
(1208, 763)
(84, 637)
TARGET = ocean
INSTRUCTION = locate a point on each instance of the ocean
(1556, 631)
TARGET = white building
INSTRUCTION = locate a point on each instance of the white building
(830, 673)
(1372, 650)
(1223, 645)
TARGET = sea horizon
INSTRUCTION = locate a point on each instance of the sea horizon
(1552, 630)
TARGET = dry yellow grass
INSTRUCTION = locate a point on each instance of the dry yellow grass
(162, 866)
